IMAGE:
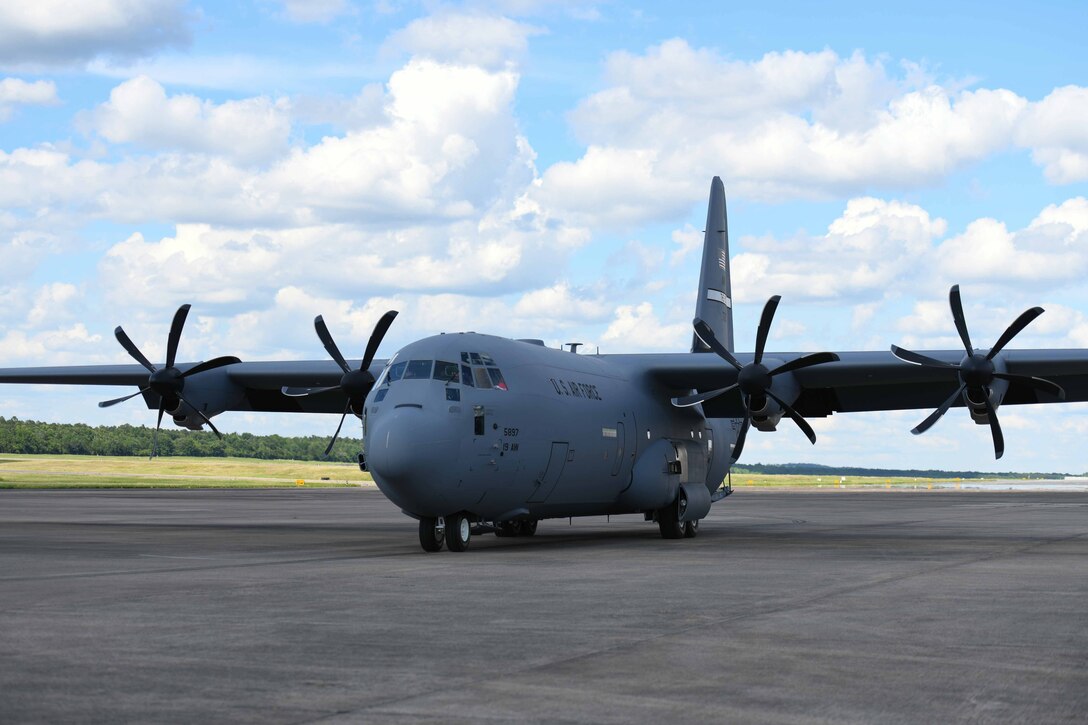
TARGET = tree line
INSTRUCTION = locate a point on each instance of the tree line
(29, 436)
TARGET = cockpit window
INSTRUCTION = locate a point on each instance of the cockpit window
(447, 371)
(483, 380)
(418, 369)
(486, 359)
(466, 375)
(396, 372)
(496, 378)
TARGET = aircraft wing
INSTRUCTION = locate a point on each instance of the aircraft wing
(245, 386)
(871, 381)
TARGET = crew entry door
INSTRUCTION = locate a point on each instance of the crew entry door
(545, 484)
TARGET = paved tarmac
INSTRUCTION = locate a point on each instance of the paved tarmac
(318, 606)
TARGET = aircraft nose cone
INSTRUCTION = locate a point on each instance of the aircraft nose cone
(410, 454)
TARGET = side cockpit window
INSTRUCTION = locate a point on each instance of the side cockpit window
(496, 378)
(478, 370)
(396, 372)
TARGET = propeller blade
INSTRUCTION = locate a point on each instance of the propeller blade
(155, 435)
(328, 448)
(801, 422)
(689, 400)
(742, 436)
(957, 315)
(805, 361)
(175, 335)
(941, 410)
(1038, 383)
(764, 328)
(330, 346)
(707, 336)
(915, 358)
(303, 392)
(211, 365)
(203, 417)
(995, 428)
(376, 337)
(1014, 329)
(131, 348)
(115, 401)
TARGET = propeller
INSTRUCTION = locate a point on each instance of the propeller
(976, 372)
(754, 380)
(355, 384)
(167, 382)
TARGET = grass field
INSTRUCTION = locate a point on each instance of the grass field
(22, 471)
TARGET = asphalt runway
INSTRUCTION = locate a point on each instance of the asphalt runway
(318, 606)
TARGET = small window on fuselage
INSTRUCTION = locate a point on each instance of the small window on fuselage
(418, 369)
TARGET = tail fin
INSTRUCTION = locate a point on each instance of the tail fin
(715, 302)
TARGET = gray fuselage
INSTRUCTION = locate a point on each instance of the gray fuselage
(538, 433)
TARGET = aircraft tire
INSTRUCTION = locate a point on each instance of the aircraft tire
(668, 518)
(431, 536)
(458, 532)
(691, 529)
(528, 528)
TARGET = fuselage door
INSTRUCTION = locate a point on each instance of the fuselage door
(546, 483)
(621, 439)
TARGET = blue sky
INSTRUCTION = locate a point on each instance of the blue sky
(540, 168)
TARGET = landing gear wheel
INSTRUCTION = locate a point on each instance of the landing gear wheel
(691, 529)
(668, 518)
(432, 533)
(458, 532)
(528, 528)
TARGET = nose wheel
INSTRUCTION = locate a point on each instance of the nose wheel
(458, 532)
(432, 533)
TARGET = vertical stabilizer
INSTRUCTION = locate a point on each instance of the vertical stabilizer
(715, 303)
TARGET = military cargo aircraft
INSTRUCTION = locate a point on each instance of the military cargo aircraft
(470, 433)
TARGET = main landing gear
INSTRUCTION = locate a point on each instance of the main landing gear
(456, 530)
(670, 520)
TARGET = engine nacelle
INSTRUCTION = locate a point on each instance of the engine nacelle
(977, 406)
(212, 392)
(785, 386)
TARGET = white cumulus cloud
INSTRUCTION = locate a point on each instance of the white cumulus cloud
(140, 112)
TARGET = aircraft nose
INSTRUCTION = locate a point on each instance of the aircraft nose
(410, 452)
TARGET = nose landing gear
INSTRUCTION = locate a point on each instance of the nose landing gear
(432, 533)
(458, 532)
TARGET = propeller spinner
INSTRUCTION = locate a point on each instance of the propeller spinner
(976, 372)
(755, 379)
(167, 382)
